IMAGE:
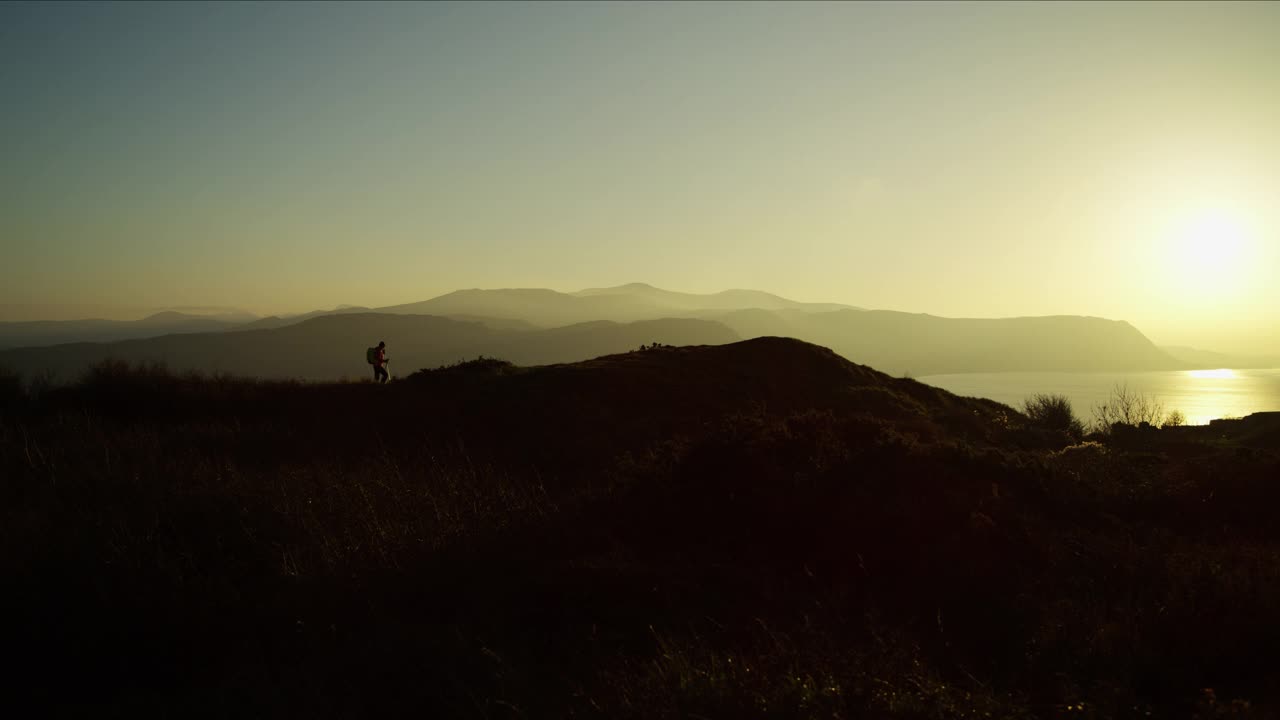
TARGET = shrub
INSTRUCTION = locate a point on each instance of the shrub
(487, 365)
(1052, 412)
(480, 366)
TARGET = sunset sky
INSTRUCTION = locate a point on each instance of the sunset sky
(960, 159)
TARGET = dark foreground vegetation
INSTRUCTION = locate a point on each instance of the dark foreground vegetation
(757, 529)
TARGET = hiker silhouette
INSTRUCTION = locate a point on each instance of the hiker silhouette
(380, 361)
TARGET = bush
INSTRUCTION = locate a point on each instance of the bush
(1052, 412)
(480, 366)
(119, 374)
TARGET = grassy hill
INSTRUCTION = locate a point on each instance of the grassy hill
(757, 529)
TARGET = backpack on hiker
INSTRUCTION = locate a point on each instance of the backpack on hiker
(370, 355)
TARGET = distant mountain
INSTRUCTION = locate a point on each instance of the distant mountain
(496, 323)
(276, 321)
(1204, 359)
(225, 314)
(332, 346)
(57, 332)
(894, 342)
(545, 308)
(53, 332)
(625, 303)
(691, 302)
(898, 343)
(279, 322)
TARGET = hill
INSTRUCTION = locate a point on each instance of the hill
(650, 394)
(756, 529)
(332, 346)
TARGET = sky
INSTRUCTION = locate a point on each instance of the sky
(961, 159)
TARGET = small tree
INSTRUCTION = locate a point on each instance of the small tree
(1052, 412)
(1128, 407)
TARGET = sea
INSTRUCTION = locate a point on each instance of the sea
(1200, 395)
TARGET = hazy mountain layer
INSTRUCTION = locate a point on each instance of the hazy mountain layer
(332, 346)
(894, 342)
(624, 303)
(1196, 357)
(724, 300)
(898, 343)
(53, 332)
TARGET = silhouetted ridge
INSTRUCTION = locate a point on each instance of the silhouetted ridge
(770, 362)
(646, 394)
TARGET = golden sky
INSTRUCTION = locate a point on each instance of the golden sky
(961, 159)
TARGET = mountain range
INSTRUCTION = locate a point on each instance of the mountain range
(625, 303)
(537, 326)
(55, 332)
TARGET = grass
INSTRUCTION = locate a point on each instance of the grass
(751, 531)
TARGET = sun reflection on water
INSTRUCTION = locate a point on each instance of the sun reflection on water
(1219, 374)
(1199, 395)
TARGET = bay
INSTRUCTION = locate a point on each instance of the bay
(1200, 395)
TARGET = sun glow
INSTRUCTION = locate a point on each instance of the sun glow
(1208, 253)
(1213, 240)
